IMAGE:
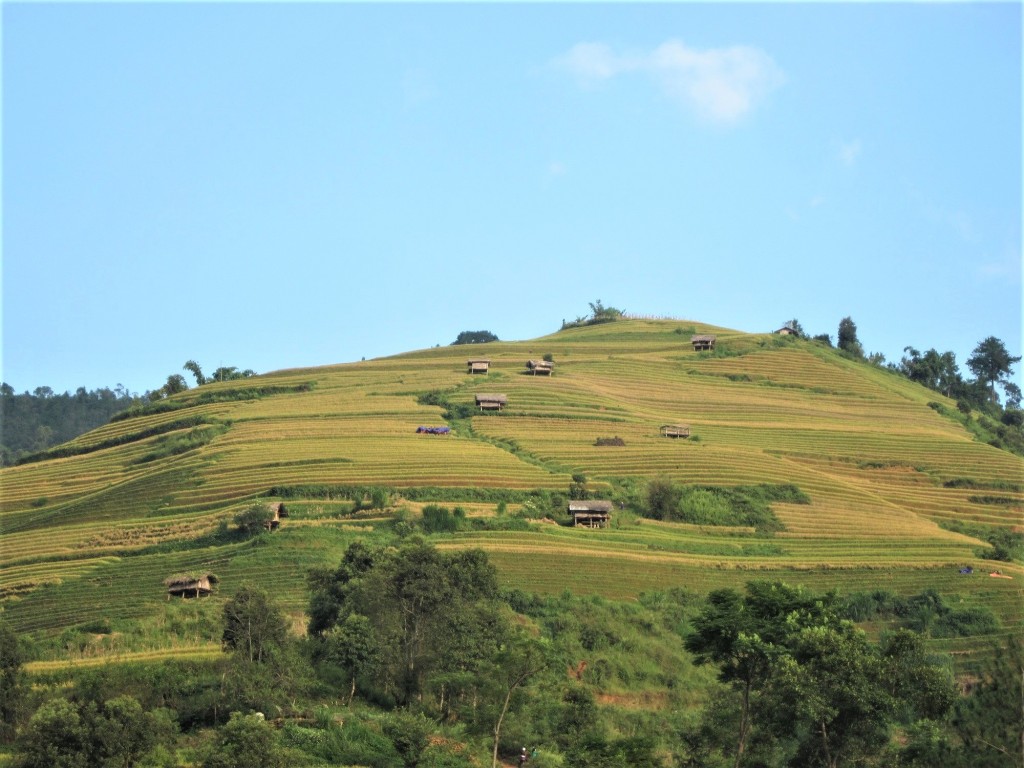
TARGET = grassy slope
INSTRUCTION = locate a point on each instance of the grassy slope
(78, 533)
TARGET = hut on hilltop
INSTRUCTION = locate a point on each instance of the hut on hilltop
(592, 513)
(702, 342)
(478, 366)
(190, 584)
(491, 402)
(788, 330)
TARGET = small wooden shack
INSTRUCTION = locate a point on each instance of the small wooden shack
(478, 366)
(279, 511)
(190, 585)
(593, 513)
(702, 342)
(675, 430)
(788, 330)
(491, 402)
(543, 367)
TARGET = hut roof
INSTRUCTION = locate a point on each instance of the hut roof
(592, 505)
(484, 360)
(491, 398)
(186, 579)
(703, 337)
(539, 364)
(675, 426)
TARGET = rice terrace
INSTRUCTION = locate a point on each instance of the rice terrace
(854, 478)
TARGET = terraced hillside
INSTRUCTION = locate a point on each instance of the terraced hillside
(93, 533)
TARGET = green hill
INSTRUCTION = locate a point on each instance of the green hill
(91, 533)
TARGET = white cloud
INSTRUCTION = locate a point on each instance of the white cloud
(849, 151)
(720, 84)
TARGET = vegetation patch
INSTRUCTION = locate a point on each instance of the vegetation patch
(990, 485)
(64, 451)
(442, 399)
(999, 500)
(1006, 544)
(216, 396)
(739, 505)
(927, 613)
(609, 441)
(420, 493)
(173, 445)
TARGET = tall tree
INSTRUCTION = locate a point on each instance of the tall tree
(193, 367)
(253, 626)
(992, 363)
(847, 338)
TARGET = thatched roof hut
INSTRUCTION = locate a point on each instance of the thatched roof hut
(702, 342)
(545, 367)
(675, 430)
(491, 402)
(279, 510)
(478, 366)
(190, 584)
(591, 513)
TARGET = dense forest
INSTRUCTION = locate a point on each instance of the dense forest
(35, 421)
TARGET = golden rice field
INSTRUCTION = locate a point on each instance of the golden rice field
(93, 535)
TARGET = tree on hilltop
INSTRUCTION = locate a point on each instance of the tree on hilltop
(847, 338)
(175, 383)
(602, 314)
(934, 370)
(193, 367)
(474, 337)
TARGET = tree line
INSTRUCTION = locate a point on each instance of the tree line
(990, 362)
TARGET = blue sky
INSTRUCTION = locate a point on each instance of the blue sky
(272, 186)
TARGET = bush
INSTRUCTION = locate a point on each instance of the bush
(474, 337)
(439, 520)
(965, 622)
(247, 741)
(254, 519)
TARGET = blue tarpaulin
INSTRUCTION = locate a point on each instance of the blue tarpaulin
(434, 430)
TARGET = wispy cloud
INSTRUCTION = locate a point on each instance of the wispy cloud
(721, 85)
(849, 152)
